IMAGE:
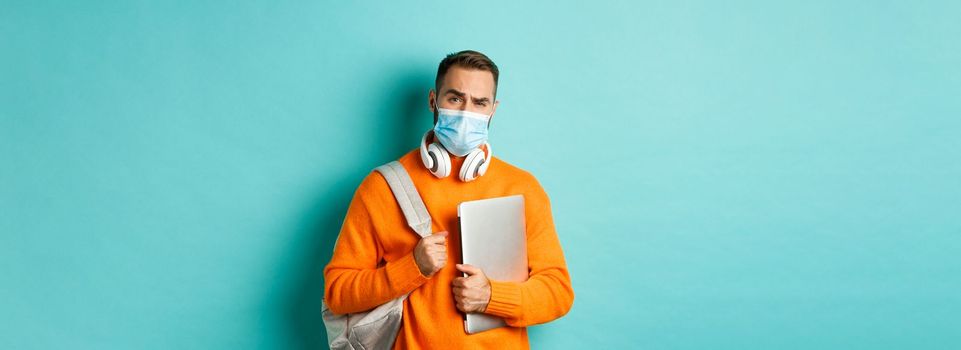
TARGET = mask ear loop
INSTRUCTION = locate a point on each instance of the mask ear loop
(490, 151)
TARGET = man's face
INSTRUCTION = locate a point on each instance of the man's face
(465, 89)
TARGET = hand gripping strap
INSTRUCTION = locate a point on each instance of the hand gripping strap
(407, 197)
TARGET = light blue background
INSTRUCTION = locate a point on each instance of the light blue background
(724, 175)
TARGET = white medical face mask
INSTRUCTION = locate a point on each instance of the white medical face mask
(460, 131)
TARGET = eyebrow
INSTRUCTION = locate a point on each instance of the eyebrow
(462, 95)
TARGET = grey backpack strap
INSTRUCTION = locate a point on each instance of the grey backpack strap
(407, 197)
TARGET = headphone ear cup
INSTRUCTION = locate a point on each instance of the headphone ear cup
(487, 160)
(426, 158)
(471, 167)
(440, 159)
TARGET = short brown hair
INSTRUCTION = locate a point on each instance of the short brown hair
(466, 59)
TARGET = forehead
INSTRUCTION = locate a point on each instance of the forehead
(474, 82)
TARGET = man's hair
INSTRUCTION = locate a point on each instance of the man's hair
(469, 59)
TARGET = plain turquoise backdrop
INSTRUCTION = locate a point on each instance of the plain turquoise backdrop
(724, 175)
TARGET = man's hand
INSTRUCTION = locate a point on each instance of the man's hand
(430, 254)
(471, 293)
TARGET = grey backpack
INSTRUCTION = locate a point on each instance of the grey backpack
(377, 328)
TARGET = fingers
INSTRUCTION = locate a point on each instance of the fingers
(434, 248)
(464, 293)
(470, 270)
(463, 306)
(460, 298)
(439, 238)
(467, 282)
(466, 299)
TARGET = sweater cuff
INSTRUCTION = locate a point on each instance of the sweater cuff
(505, 300)
(403, 275)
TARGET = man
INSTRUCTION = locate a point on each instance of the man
(378, 258)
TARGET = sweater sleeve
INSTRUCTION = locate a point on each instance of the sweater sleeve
(355, 280)
(547, 294)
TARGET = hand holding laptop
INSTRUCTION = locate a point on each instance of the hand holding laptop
(471, 293)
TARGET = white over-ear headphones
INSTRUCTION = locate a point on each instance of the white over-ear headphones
(437, 160)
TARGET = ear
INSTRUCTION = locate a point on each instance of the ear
(432, 101)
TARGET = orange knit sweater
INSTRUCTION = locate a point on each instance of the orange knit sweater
(373, 260)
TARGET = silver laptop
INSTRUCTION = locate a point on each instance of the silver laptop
(494, 238)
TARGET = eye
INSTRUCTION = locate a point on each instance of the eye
(454, 99)
(481, 104)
